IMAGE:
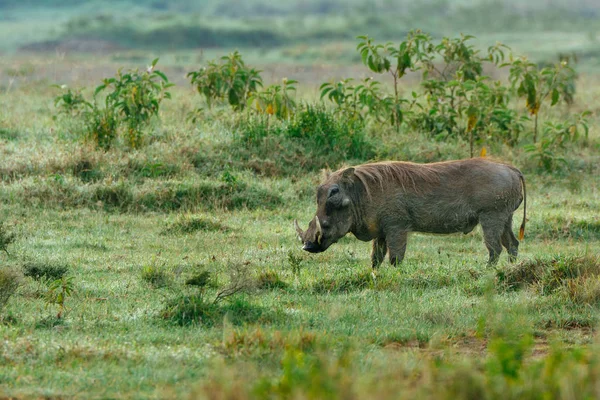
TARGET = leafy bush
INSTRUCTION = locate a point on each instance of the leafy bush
(357, 101)
(313, 138)
(133, 99)
(230, 80)
(101, 127)
(275, 100)
(536, 85)
(321, 130)
(58, 293)
(457, 100)
(547, 152)
(70, 102)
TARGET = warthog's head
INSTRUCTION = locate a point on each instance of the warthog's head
(334, 217)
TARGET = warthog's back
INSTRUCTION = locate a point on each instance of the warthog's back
(441, 197)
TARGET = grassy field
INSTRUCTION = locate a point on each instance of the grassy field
(150, 238)
(130, 251)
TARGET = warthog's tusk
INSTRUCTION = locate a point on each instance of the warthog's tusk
(298, 230)
(319, 231)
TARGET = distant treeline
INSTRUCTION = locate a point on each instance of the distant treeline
(260, 23)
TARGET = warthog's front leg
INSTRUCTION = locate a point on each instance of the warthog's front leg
(378, 253)
(397, 245)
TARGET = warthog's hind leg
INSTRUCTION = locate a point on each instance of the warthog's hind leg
(397, 246)
(493, 226)
(378, 253)
(509, 241)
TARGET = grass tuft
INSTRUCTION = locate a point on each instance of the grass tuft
(188, 225)
(197, 310)
(155, 276)
(6, 238)
(576, 278)
(270, 280)
(559, 227)
(10, 280)
(45, 271)
(344, 284)
(201, 279)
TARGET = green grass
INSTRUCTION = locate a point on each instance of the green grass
(152, 236)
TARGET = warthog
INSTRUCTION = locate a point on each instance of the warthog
(385, 201)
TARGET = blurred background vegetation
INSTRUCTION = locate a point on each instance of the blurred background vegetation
(540, 28)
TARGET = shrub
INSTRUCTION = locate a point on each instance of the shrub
(313, 138)
(230, 80)
(101, 127)
(133, 99)
(323, 131)
(537, 84)
(58, 293)
(70, 102)
(275, 100)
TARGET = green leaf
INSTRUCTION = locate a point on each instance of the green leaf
(555, 97)
(371, 64)
(162, 75)
(99, 89)
(363, 55)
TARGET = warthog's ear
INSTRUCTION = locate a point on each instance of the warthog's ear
(348, 175)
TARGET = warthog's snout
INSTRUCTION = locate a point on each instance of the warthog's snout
(311, 239)
(312, 247)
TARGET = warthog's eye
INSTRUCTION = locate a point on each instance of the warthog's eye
(333, 190)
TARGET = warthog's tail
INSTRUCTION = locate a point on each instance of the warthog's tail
(522, 229)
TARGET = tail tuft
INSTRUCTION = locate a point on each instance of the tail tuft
(522, 232)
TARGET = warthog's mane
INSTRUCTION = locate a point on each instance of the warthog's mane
(410, 176)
